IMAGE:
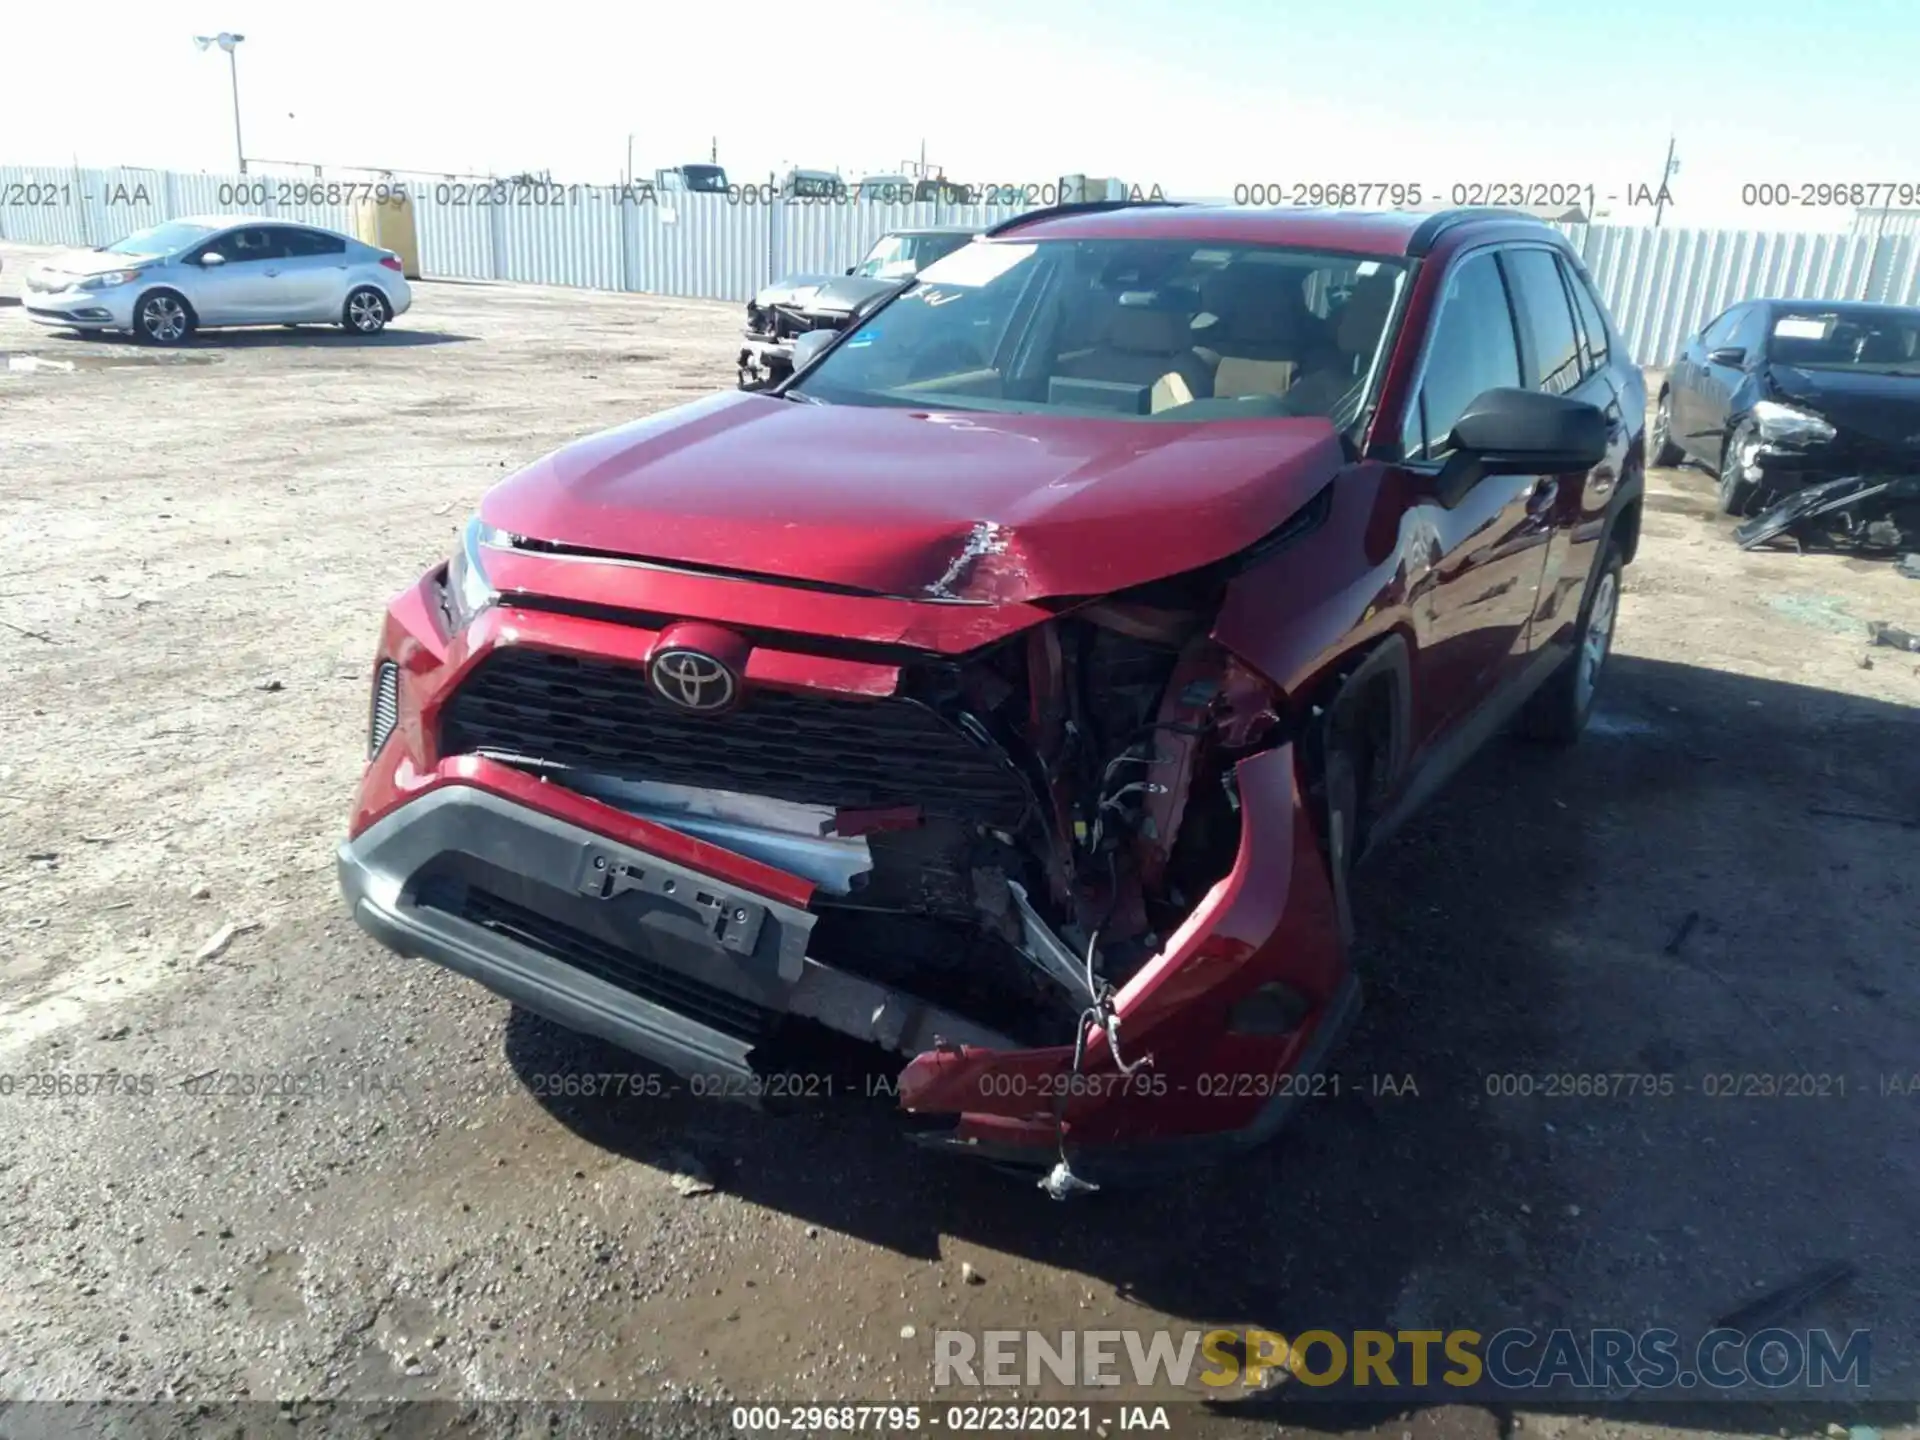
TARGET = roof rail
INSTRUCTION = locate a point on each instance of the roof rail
(1434, 226)
(1076, 207)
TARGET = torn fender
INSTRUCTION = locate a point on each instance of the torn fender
(1271, 921)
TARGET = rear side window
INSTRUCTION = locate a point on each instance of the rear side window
(1546, 319)
(1593, 322)
(314, 242)
(1472, 350)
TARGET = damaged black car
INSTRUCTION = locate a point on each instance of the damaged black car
(1807, 410)
(797, 304)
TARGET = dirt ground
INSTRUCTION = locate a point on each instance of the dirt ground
(197, 547)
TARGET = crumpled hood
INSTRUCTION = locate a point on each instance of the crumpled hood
(1864, 405)
(791, 290)
(835, 294)
(848, 293)
(921, 504)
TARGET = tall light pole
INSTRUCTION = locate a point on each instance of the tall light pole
(229, 42)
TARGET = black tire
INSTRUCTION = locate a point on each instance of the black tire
(1660, 439)
(366, 312)
(1737, 492)
(163, 317)
(1558, 711)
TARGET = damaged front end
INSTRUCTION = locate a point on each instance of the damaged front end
(1826, 457)
(800, 305)
(1070, 876)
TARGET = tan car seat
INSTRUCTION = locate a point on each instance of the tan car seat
(1151, 347)
(1356, 330)
(1263, 334)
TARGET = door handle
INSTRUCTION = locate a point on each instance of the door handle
(270, 274)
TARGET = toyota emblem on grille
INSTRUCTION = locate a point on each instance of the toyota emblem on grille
(692, 680)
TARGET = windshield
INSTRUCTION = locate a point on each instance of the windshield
(160, 239)
(1884, 339)
(898, 256)
(707, 179)
(1155, 329)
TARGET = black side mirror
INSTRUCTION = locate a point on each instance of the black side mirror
(852, 268)
(1729, 355)
(1528, 432)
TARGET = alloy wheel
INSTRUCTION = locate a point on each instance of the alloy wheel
(163, 318)
(366, 312)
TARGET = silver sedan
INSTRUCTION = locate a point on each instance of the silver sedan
(165, 282)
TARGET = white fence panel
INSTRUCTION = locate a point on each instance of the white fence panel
(44, 205)
(456, 238)
(565, 244)
(1898, 282)
(709, 247)
(204, 195)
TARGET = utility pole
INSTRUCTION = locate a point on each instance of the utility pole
(230, 43)
(1667, 172)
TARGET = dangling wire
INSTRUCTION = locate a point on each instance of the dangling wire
(1061, 1181)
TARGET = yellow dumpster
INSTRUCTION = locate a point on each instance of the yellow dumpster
(387, 221)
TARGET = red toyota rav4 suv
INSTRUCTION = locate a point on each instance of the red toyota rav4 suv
(1014, 687)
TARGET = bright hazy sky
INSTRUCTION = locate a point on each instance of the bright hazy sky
(1196, 95)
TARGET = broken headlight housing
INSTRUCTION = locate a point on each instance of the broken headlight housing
(1783, 423)
(468, 590)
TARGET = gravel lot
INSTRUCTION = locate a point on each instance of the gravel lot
(198, 546)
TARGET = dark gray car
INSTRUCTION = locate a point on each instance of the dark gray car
(1777, 395)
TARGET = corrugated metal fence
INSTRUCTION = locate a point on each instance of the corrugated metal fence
(1660, 284)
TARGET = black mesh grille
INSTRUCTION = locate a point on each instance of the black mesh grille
(386, 706)
(727, 1013)
(813, 749)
